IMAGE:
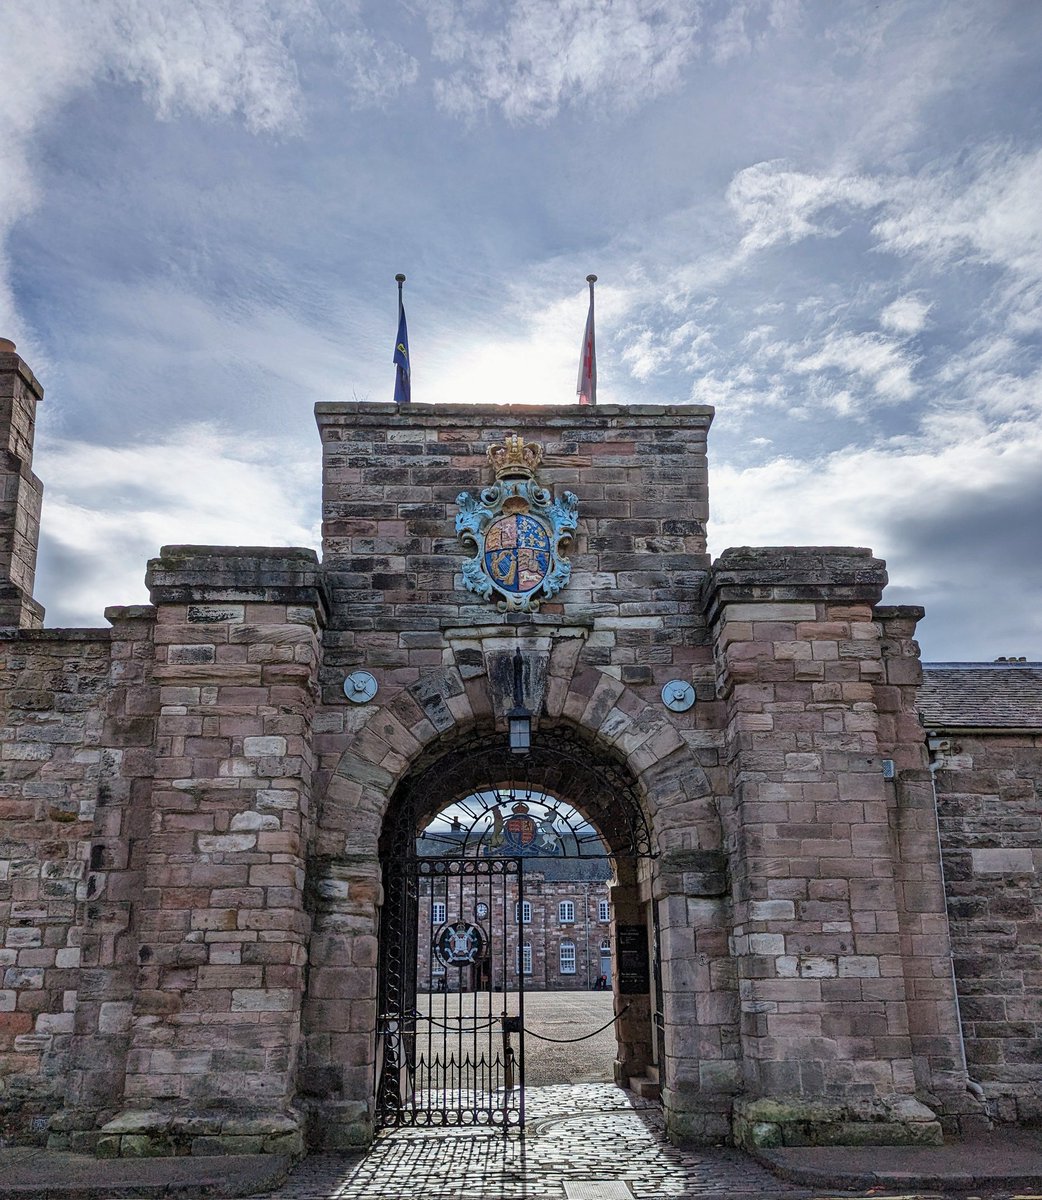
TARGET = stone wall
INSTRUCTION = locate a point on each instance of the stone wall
(989, 801)
(53, 686)
(822, 890)
(220, 923)
(196, 817)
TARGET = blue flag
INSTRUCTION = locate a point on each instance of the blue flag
(402, 381)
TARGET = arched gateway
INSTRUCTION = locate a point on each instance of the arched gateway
(462, 836)
(240, 771)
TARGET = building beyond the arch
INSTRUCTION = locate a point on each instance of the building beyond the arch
(193, 807)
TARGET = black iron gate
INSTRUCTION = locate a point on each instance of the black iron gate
(451, 1020)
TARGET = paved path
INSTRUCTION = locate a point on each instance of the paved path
(569, 1015)
(583, 1140)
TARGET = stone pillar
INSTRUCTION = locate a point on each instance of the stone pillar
(938, 1054)
(108, 955)
(340, 1012)
(816, 868)
(222, 927)
(21, 493)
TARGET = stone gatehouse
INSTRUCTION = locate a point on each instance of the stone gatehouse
(201, 828)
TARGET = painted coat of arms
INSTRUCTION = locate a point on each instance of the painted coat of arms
(517, 531)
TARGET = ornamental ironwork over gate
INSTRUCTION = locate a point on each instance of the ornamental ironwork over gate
(452, 1022)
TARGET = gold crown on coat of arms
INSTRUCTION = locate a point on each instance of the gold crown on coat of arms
(514, 458)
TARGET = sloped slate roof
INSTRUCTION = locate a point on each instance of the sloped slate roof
(981, 695)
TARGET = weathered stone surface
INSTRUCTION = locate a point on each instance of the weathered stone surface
(193, 815)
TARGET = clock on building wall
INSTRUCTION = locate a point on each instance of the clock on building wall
(481, 910)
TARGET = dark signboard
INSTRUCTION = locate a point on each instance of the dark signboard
(631, 962)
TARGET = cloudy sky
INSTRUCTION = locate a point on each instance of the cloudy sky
(824, 219)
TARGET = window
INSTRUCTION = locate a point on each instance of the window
(605, 949)
(523, 912)
(603, 911)
(566, 915)
(526, 957)
(437, 913)
(567, 958)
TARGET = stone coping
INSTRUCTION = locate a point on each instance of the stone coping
(57, 634)
(15, 362)
(620, 415)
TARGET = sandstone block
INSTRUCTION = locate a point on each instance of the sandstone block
(262, 1000)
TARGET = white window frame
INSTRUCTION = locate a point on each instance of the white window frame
(566, 912)
(605, 949)
(566, 957)
(603, 910)
(438, 912)
(523, 954)
(525, 913)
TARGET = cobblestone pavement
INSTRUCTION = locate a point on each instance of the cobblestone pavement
(595, 1135)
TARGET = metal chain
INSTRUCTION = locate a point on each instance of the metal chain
(531, 1032)
(543, 1038)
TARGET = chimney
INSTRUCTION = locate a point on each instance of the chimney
(21, 493)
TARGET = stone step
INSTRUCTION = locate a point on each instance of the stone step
(644, 1087)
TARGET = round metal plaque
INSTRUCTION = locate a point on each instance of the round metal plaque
(360, 687)
(678, 695)
(459, 944)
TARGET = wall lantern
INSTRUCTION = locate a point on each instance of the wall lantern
(519, 719)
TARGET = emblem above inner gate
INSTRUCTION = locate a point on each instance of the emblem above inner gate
(517, 531)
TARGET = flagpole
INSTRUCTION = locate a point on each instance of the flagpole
(403, 367)
(591, 280)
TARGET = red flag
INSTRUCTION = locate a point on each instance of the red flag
(586, 388)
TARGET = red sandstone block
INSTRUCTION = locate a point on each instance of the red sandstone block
(214, 918)
(232, 976)
(281, 875)
(287, 975)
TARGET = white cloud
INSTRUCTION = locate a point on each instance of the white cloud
(879, 361)
(943, 508)
(905, 315)
(652, 352)
(545, 54)
(985, 211)
(778, 204)
(535, 362)
(374, 70)
(747, 23)
(994, 217)
(212, 58)
(109, 508)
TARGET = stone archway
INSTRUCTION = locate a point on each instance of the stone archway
(571, 770)
(684, 882)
